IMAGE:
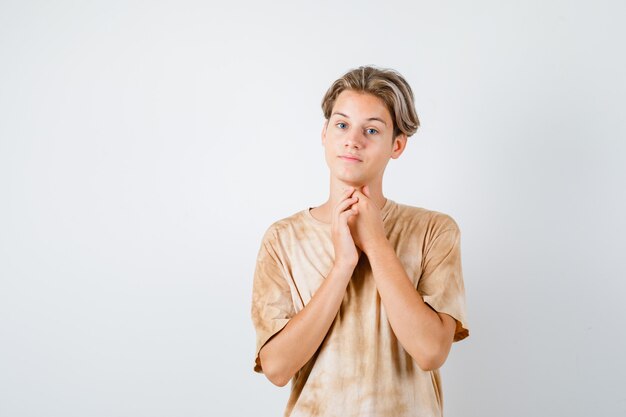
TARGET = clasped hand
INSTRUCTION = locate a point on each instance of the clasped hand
(357, 225)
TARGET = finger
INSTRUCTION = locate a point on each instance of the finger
(345, 216)
(366, 190)
(360, 195)
(342, 218)
(342, 206)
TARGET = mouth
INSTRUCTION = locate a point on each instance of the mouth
(350, 158)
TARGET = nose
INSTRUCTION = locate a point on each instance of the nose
(353, 139)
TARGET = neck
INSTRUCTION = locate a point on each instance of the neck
(337, 188)
(324, 212)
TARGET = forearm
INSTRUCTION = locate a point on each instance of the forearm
(290, 349)
(420, 329)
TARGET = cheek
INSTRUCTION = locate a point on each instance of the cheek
(327, 155)
(330, 146)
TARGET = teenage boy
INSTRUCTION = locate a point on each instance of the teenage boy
(357, 301)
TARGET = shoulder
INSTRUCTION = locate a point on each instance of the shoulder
(434, 222)
(285, 226)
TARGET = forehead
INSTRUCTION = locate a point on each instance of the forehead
(359, 105)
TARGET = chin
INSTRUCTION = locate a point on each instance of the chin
(353, 182)
(351, 179)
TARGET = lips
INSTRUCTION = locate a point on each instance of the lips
(350, 158)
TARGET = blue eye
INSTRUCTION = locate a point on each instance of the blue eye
(372, 131)
(341, 125)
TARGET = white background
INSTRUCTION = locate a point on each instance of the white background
(146, 146)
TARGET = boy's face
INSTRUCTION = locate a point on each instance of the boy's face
(358, 139)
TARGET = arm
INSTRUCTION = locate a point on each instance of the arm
(291, 348)
(424, 333)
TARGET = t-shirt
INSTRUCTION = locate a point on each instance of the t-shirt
(360, 369)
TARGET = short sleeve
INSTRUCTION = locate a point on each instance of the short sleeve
(272, 305)
(441, 284)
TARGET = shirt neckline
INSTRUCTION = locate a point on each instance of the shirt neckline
(385, 211)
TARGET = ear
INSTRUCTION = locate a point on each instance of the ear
(399, 144)
(324, 132)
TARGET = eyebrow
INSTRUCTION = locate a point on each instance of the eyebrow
(369, 119)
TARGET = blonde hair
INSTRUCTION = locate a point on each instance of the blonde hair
(386, 84)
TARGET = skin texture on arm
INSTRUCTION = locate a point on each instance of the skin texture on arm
(424, 333)
(291, 348)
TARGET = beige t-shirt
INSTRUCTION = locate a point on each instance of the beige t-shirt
(360, 369)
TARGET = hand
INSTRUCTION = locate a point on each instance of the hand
(367, 227)
(346, 252)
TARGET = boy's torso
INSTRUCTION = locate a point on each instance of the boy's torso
(360, 369)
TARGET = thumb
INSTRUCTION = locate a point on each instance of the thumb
(366, 191)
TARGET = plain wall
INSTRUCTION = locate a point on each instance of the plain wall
(146, 146)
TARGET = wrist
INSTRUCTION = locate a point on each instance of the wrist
(370, 247)
(343, 267)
